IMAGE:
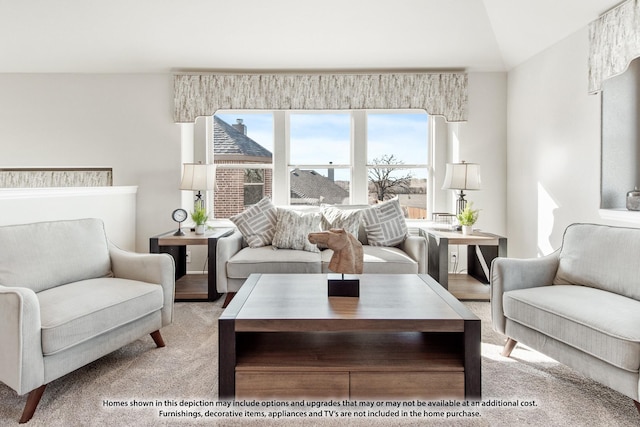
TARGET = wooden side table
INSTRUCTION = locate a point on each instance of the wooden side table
(176, 246)
(482, 248)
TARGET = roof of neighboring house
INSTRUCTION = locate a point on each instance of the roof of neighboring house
(310, 185)
(231, 144)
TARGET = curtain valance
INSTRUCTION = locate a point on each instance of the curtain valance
(442, 94)
(614, 41)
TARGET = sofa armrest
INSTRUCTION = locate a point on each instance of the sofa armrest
(22, 366)
(150, 268)
(416, 248)
(227, 247)
(508, 274)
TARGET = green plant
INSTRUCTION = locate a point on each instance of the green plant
(468, 216)
(199, 215)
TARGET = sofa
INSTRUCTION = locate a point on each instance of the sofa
(286, 249)
(68, 297)
(579, 305)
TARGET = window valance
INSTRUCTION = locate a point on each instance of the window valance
(443, 94)
(614, 41)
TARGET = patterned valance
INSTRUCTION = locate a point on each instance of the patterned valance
(614, 41)
(443, 94)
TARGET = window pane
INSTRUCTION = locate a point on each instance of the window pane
(403, 135)
(318, 186)
(241, 138)
(409, 185)
(320, 139)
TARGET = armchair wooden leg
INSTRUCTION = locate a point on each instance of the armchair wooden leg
(508, 347)
(228, 299)
(32, 403)
(157, 338)
(637, 405)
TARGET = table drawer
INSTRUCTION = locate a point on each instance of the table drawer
(292, 385)
(407, 385)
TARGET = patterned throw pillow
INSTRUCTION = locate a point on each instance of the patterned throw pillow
(385, 224)
(257, 223)
(292, 229)
(341, 218)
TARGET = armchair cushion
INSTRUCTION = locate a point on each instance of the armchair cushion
(80, 311)
(591, 256)
(581, 317)
(38, 256)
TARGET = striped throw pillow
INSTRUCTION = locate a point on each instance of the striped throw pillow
(385, 224)
(257, 223)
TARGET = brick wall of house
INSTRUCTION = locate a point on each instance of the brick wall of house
(229, 196)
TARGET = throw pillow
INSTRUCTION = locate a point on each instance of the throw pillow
(257, 223)
(292, 229)
(349, 220)
(385, 224)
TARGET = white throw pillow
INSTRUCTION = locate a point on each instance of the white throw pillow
(257, 223)
(334, 217)
(385, 224)
(293, 228)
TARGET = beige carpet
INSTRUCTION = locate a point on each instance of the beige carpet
(187, 370)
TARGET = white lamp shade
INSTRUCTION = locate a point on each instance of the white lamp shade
(462, 176)
(198, 177)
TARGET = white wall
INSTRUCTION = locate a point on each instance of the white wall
(553, 151)
(119, 120)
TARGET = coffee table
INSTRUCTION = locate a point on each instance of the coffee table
(404, 337)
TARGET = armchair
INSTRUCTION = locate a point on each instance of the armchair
(68, 297)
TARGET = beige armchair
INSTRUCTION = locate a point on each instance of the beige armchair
(69, 297)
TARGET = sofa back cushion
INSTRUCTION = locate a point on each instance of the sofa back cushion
(601, 257)
(44, 255)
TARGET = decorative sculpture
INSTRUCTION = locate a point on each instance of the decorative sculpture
(347, 259)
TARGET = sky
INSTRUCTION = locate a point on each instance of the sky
(320, 138)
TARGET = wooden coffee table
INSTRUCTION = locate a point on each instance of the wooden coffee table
(405, 337)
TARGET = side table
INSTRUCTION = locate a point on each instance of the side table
(482, 248)
(176, 246)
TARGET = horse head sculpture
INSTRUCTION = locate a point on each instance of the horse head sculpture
(347, 250)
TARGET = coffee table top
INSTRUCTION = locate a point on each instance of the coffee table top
(387, 302)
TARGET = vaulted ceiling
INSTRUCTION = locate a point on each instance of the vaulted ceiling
(132, 36)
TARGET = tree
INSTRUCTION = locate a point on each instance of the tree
(386, 184)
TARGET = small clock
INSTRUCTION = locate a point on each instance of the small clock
(179, 216)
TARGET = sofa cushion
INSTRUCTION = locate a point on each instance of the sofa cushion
(600, 257)
(602, 324)
(379, 259)
(385, 224)
(43, 255)
(270, 260)
(347, 219)
(79, 311)
(257, 223)
(293, 228)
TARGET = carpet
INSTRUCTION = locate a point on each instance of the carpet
(185, 371)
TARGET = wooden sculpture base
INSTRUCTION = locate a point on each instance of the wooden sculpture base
(343, 285)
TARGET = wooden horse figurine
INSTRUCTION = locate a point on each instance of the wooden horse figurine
(347, 250)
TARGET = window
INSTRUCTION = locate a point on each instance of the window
(311, 158)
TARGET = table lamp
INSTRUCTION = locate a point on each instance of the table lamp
(198, 177)
(462, 176)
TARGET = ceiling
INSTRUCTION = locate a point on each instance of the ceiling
(158, 36)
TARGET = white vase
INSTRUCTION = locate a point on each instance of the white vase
(467, 230)
(199, 228)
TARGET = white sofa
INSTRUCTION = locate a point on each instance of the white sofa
(68, 297)
(579, 305)
(236, 260)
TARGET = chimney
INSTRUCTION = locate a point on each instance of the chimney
(240, 127)
(330, 174)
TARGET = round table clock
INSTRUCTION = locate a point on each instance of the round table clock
(179, 216)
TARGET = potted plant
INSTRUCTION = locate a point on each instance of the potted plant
(467, 218)
(200, 217)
